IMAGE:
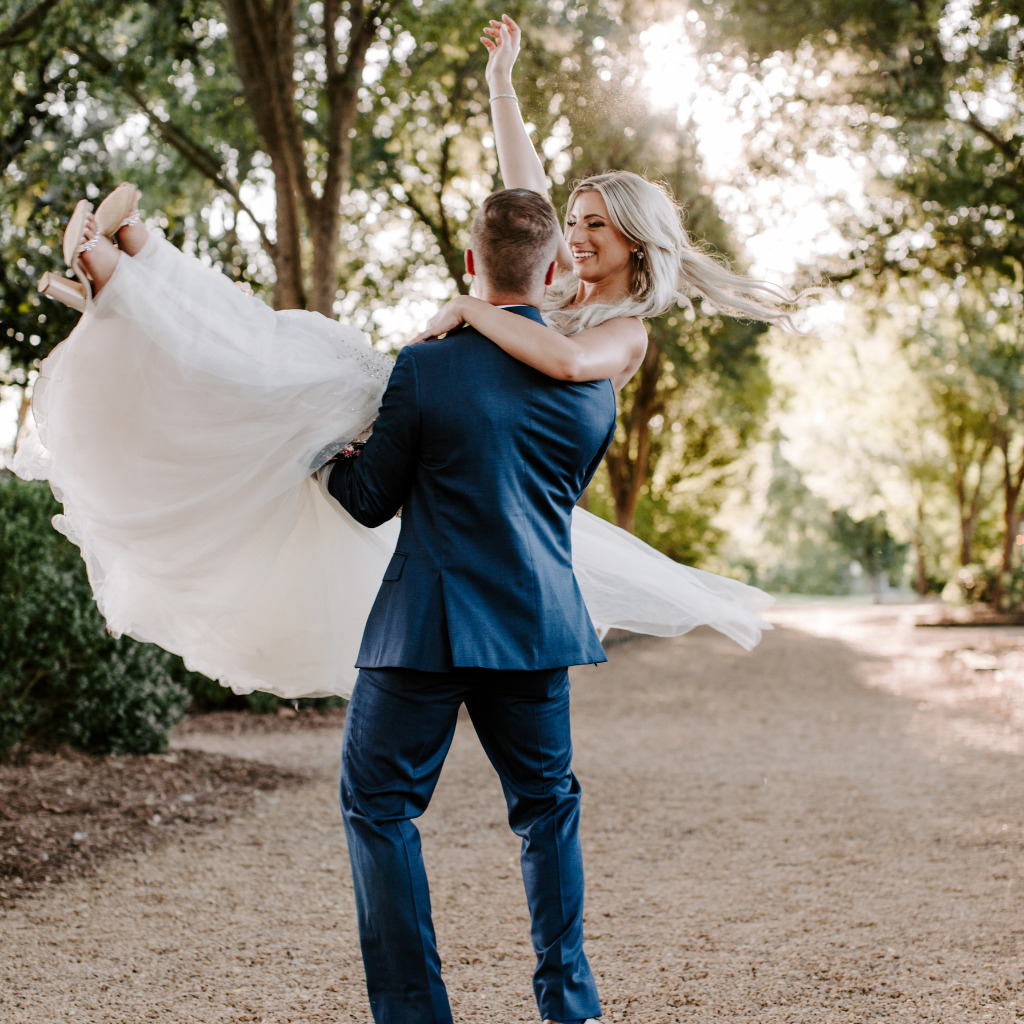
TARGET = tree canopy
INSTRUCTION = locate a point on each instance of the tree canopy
(927, 98)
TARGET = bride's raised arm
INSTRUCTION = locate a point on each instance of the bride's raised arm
(518, 162)
(612, 350)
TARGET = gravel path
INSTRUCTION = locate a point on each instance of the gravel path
(829, 829)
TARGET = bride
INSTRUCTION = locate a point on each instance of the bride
(180, 421)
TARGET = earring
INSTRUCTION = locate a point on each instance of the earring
(638, 253)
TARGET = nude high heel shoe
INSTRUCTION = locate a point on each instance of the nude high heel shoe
(71, 293)
(74, 245)
(119, 210)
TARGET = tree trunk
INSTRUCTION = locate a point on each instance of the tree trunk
(919, 551)
(1013, 483)
(289, 292)
(263, 40)
(969, 499)
(23, 407)
(343, 80)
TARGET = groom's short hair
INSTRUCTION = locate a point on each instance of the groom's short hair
(514, 238)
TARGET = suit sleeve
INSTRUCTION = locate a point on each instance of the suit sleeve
(374, 486)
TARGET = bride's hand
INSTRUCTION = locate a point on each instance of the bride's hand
(446, 319)
(502, 41)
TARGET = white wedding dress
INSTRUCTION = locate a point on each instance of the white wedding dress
(179, 424)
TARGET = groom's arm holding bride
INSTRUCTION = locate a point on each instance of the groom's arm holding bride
(373, 486)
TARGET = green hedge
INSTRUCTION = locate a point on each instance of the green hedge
(63, 678)
(208, 695)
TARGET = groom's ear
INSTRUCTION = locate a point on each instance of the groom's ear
(470, 264)
(550, 275)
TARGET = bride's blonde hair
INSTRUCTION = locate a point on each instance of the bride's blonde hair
(668, 268)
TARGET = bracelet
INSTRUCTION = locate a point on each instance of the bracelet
(504, 96)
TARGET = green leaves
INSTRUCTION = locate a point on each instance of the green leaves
(63, 678)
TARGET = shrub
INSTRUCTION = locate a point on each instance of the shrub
(971, 584)
(1013, 589)
(63, 678)
(208, 695)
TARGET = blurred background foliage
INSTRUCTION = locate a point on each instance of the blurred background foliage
(330, 155)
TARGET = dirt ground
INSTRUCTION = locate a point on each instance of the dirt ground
(63, 814)
(827, 829)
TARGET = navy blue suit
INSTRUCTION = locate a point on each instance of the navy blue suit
(486, 458)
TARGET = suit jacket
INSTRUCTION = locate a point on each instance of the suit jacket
(486, 458)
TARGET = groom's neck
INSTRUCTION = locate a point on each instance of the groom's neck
(497, 297)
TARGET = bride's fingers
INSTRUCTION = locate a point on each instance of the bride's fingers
(498, 28)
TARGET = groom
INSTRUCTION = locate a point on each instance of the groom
(486, 458)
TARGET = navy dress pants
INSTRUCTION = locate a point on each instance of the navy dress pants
(398, 729)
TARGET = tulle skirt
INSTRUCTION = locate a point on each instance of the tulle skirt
(179, 425)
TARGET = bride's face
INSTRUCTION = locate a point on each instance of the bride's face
(599, 249)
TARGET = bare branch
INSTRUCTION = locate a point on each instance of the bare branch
(409, 200)
(29, 20)
(342, 97)
(1005, 147)
(201, 158)
(331, 15)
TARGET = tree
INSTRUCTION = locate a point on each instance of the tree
(969, 440)
(287, 113)
(938, 86)
(798, 552)
(306, 120)
(869, 543)
(984, 355)
(930, 96)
